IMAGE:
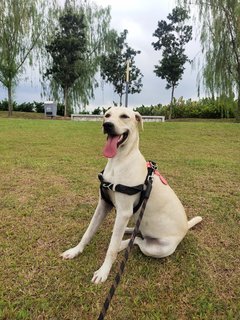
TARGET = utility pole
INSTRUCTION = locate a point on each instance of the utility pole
(127, 83)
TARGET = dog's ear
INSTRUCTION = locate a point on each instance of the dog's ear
(139, 119)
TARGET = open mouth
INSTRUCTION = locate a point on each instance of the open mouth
(113, 143)
(122, 138)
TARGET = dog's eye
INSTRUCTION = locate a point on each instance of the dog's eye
(107, 115)
(124, 116)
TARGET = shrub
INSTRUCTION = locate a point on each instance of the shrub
(84, 111)
(204, 108)
(4, 105)
(60, 109)
(39, 107)
(97, 111)
(24, 107)
(221, 107)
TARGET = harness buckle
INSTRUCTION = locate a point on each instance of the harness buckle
(153, 165)
(107, 185)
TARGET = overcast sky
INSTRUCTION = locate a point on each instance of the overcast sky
(140, 18)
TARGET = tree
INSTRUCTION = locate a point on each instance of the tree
(81, 36)
(21, 32)
(68, 50)
(113, 68)
(220, 38)
(172, 38)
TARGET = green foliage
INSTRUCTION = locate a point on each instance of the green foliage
(97, 111)
(84, 34)
(158, 110)
(61, 109)
(24, 107)
(84, 112)
(38, 107)
(204, 108)
(23, 28)
(113, 67)
(220, 39)
(172, 38)
(4, 105)
(68, 50)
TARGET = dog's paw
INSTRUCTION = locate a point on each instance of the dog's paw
(100, 275)
(70, 253)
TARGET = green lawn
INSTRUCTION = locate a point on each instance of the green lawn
(48, 192)
(23, 115)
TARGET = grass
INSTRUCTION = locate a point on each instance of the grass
(48, 192)
(28, 115)
(22, 115)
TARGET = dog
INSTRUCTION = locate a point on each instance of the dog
(164, 222)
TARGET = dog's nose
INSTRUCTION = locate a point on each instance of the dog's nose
(108, 127)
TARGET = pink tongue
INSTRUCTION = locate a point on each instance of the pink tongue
(110, 148)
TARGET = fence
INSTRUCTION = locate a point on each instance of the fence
(92, 117)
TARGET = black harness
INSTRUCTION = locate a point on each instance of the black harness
(141, 188)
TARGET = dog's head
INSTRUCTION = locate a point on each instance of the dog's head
(121, 126)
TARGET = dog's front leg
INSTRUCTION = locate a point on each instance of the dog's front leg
(120, 225)
(100, 213)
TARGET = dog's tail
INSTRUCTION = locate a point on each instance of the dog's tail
(194, 221)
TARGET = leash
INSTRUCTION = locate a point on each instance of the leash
(127, 250)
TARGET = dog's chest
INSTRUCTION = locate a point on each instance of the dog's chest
(127, 175)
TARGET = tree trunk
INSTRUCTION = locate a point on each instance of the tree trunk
(65, 102)
(238, 108)
(120, 100)
(237, 112)
(10, 104)
(171, 103)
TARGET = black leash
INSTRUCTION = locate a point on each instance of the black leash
(127, 251)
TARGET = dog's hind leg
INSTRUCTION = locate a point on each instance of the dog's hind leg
(100, 213)
(152, 247)
(157, 248)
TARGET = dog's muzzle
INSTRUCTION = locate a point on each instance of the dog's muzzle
(114, 140)
(109, 128)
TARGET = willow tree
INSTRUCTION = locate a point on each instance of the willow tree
(68, 51)
(220, 39)
(82, 35)
(23, 27)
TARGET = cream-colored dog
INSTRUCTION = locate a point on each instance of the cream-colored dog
(164, 223)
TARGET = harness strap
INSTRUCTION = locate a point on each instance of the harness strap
(120, 187)
(141, 188)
